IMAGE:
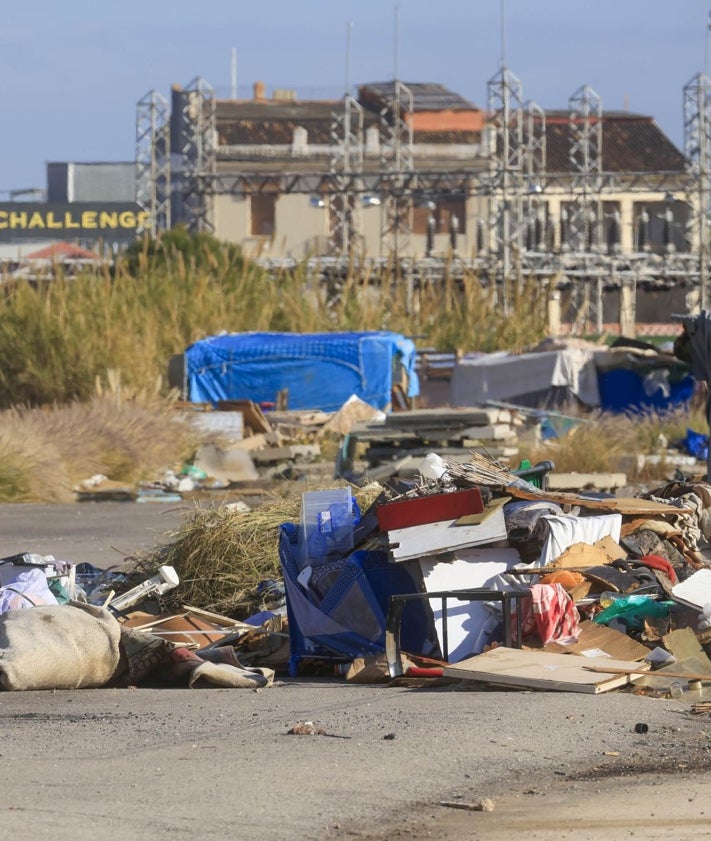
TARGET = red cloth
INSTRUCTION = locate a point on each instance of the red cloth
(550, 614)
(660, 563)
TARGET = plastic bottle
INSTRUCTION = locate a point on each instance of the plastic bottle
(677, 689)
(607, 598)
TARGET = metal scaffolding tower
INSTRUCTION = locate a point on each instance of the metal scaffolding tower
(346, 170)
(197, 153)
(534, 177)
(582, 236)
(585, 212)
(505, 152)
(697, 147)
(398, 171)
(153, 159)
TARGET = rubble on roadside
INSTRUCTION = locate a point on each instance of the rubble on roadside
(468, 573)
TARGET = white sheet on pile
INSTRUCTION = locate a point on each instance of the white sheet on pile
(27, 587)
(566, 530)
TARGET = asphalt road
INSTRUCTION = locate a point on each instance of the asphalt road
(220, 764)
(100, 533)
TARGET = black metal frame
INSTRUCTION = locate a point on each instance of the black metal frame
(508, 598)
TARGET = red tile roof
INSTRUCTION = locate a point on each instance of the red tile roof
(61, 251)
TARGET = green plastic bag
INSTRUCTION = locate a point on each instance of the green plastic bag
(632, 609)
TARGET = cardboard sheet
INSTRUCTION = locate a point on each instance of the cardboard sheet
(620, 504)
(594, 637)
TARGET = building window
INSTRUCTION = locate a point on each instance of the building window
(263, 211)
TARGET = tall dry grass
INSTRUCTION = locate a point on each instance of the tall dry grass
(57, 336)
(46, 452)
(604, 442)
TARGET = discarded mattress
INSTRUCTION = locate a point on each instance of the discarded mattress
(319, 370)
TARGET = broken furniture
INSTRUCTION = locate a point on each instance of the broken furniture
(510, 605)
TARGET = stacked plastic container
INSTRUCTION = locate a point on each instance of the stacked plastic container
(327, 520)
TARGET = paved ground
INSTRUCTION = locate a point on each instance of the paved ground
(101, 533)
(219, 764)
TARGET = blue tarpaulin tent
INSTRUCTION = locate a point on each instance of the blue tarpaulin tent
(320, 370)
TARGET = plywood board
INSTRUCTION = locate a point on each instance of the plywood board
(445, 536)
(542, 670)
(470, 569)
(684, 645)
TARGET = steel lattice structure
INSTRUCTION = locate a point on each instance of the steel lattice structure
(399, 175)
(346, 170)
(697, 147)
(505, 153)
(153, 159)
(196, 155)
(511, 177)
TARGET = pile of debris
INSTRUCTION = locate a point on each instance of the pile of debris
(474, 573)
(241, 448)
(468, 572)
(396, 444)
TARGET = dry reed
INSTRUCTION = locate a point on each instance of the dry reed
(222, 554)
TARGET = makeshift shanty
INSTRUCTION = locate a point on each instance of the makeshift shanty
(627, 376)
(543, 378)
(314, 370)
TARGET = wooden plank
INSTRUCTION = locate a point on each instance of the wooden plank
(647, 673)
(541, 670)
(252, 413)
(619, 504)
(443, 417)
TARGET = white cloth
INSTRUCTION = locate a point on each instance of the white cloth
(27, 588)
(565, 531)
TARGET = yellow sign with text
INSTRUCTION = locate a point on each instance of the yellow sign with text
(25, 220)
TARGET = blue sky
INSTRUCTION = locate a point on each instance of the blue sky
(71, 72)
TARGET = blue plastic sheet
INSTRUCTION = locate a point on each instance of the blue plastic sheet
(697, 444)
(342, 615)
(319, 370)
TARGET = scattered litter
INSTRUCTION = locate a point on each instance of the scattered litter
(485, 805)
(306, 728)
